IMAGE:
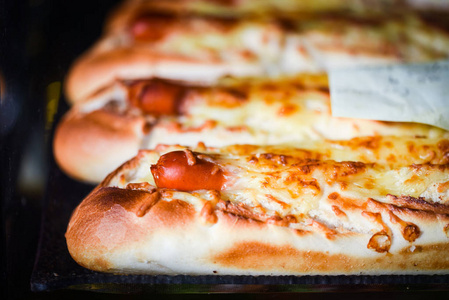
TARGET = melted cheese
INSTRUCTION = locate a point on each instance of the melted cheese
(310, 44)
(266, 114)
(282, 180)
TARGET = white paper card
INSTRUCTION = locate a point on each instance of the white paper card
(403, 93)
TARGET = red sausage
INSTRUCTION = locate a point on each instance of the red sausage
(156, 97)
(151, 28)
(185, 171)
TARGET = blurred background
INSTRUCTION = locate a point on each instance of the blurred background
(39, 39)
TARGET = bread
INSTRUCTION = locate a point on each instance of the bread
(275, 211)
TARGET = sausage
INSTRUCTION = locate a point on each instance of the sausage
(185, 171)
(150, 28)
(156, 97)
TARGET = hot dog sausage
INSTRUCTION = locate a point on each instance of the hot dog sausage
(151, 28)
(185, 171)
(156, 97)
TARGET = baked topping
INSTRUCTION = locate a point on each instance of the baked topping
(410, 231)
(143, 186)
(276, 185)
(208, 213)
(150, 200)
(380, 242)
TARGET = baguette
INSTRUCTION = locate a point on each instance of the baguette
(246, 210)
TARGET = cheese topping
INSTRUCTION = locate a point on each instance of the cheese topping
(266, 114)
(317, 187)
(304, 45)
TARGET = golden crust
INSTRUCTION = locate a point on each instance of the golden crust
(90, 146)
(256, 255)
(89, 242)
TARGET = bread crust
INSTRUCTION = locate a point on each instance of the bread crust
(90, 146)
(249, 248)
(97, 70)
(140, 229)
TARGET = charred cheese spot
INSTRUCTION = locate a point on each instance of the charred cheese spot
(380, 242)
(332, 171)
(143, 186)
(309, 185)
(239, 210)
(338, 212)
(284, 222)
(274, 199)
(409, 231)
(391, 158)
(333, 196)
(229, 98)
(328, 232)
(148, 203)
(370, 184)
(369, 142)
(287, 110)
(411, 147)
(253, 160)
(443, 187)
(418, 204)
(207, 213)
(277, 159)
(443, 145)
(414, 179)
(301, 232)
(206, 125)
(201, 146)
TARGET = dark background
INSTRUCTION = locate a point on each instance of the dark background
(39, 39)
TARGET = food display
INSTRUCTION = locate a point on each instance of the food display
(208, 128)
(140, 44)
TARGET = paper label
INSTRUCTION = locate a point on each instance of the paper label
(401, 93)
